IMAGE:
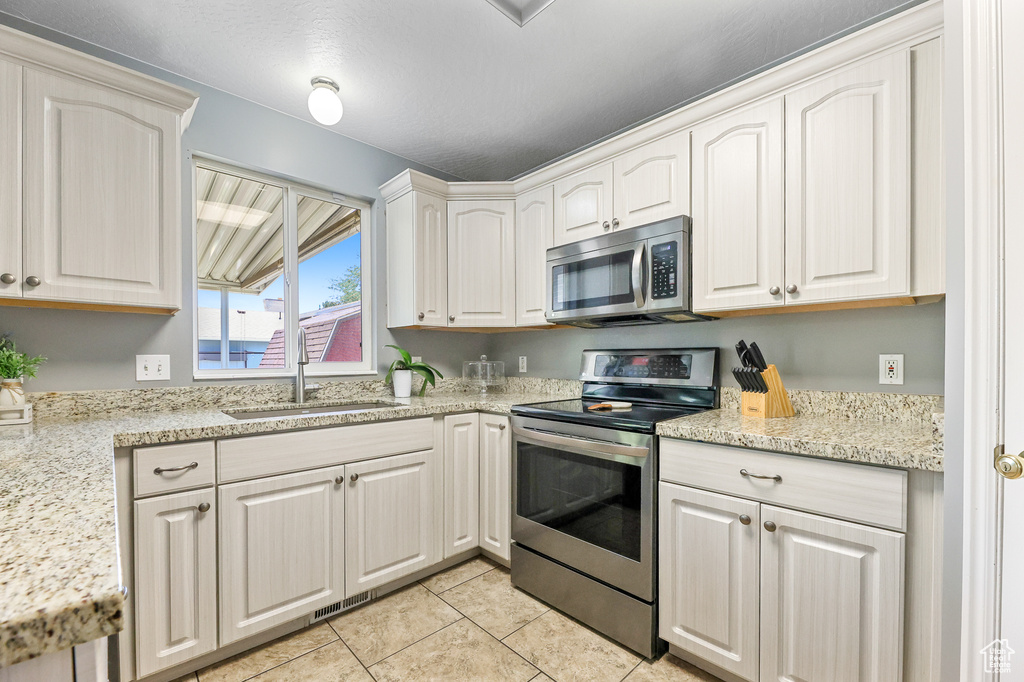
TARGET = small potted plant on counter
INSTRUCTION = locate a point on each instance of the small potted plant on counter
(400, 374)
(15, 367)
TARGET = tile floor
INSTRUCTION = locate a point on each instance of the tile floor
(466, 623)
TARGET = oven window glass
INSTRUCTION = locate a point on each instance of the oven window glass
(593, 282)
(591, 499)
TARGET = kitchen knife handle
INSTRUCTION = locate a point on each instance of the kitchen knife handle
(757, 358)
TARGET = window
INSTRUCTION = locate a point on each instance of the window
(273, 256)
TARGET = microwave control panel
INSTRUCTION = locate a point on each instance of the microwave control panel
(664, 270)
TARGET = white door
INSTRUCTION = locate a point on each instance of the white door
(847, 184)
(535, 231)
(583, 205)
(393, 526)
(101, 198)
(652, 182)
(281, 549)
(739, 219)
(708, 576)
(481, 263)
(10, 180)
(831, 600)
(430, 223)
(461, 482)
(495, 484)
(175, 579)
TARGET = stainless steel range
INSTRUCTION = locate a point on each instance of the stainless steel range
(584, 487)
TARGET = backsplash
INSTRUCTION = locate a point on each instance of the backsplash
(885, 407)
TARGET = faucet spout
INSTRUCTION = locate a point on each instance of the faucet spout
(300, 375)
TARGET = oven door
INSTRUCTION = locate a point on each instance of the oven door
(609, 281)
(584, 496)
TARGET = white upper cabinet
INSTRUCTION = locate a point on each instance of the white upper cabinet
(481, 263)
(417, 252)
(535, 231)
(10, 179)
(738, 234)
(652, 182)
(847, 184)
(583, 204)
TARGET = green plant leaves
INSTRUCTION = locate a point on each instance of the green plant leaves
(429, 374)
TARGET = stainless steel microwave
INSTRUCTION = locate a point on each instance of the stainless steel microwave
(635, 276)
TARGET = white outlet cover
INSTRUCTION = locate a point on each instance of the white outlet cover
(890, 369)
(152, 367)
(522, 363)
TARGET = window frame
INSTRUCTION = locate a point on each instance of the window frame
(292, 189)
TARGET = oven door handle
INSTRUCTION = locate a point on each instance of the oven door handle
(638, 275)
(602, 449)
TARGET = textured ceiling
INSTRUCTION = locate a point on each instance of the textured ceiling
(453, 83)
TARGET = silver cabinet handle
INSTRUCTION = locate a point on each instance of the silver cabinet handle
(770, 526)
(775, 291)
(420, 316)
(32, 281)
(354, 477)
(451, 318)
(501, 427)
(338, 480)
(791, 289)
(744, 519)
(615, 223)
(638, 275)
(204, 507)
(606, 225)
(186, 467)
(747, 474)
(8, 278)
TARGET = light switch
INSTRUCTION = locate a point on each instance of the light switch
(152, 367)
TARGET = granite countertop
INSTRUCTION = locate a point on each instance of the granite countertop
(904, 444)
(59, 575)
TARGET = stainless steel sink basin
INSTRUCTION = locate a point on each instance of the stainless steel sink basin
(303, 410)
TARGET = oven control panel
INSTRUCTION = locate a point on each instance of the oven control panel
(643, 366)
(666, 366)
(664, 270)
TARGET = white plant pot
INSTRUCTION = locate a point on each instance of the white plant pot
(12, 394)
(402, 379)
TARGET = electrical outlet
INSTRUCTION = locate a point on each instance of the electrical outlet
(417, 358)
(152, 367)
(890, 369)
(522, 363)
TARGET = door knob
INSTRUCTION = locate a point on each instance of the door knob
(8, 278)
(775, 291)
(1009, 466)
(32, 281)
(615, 223)
(791, 289)
(420, 316)
(204, 507)
(744, 519)
(606, 225)
(354, 477)
(501, 427)
(770, 526)
(451, 318)
(338, 480)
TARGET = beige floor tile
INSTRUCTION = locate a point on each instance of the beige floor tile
(191, 677)
(542, 678)
(462, 651)
(331, 663)
(668, 668)
(491, 602)
(569, 652)
(467, 570)
(255, 661)
(383, 627)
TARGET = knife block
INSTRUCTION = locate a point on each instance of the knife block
(774, 403)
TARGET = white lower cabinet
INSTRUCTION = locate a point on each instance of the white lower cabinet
(393, 525)
(282, 549)
(495, 484)
(461, 482)
(175, 579)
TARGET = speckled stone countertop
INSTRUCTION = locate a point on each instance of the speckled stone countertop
(887, 429)
(59, 575)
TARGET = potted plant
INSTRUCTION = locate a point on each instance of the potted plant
(400, 373)
(15, 367)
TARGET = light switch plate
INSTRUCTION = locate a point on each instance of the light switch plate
(890, 369)
(522, 363)
(152, 367)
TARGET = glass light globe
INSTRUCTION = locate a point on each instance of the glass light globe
(325, 105)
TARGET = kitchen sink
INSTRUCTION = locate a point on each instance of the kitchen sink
(304, 410)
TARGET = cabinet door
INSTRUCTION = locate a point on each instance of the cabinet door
(393, 526)
(481, 264)
(281, 549)
(10, 178)
(583, 205)
(535, 231)
(847, 184)
(652, 182)
(708, 576)
(738, 234)
(175, 579)
(461, 482)
(430, 224)
(101, 195)
(831, 600)
(495, 484)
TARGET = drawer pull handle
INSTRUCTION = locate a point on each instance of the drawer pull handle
(744, 519)
(159, 470)
(747, 474)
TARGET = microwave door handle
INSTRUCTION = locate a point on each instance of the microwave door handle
(638, 275)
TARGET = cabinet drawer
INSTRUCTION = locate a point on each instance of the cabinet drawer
(856, 492)
(148, 481)
(279, 453)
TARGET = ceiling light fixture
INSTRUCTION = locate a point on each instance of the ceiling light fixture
(324, 103)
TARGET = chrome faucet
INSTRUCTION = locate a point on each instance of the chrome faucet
(300, 376)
